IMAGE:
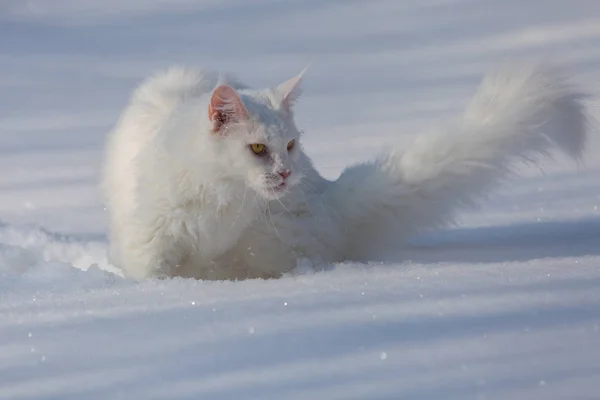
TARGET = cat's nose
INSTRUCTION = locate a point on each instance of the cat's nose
(285, 173)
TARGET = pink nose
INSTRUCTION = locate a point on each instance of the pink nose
(285, 173)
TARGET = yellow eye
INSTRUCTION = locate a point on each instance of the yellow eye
(258, 148)
(291, 144)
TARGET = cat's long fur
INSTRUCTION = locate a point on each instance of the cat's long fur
(519, 113)
(178, 194)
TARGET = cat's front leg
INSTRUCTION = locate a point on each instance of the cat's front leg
(261, 252)
(148, 256)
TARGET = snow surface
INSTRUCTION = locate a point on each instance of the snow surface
(505, 306)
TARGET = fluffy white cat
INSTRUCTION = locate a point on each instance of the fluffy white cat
(207, 178)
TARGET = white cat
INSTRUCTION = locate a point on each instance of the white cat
(191, 163)
(206, 178)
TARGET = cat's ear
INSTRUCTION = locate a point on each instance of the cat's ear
(225, 107)
(290, 89)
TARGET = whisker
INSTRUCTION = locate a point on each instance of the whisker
(284, 207)
(271, 218)
(241, 211)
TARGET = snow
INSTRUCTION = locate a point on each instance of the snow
(504, 306)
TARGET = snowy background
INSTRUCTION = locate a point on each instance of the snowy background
(505, 306)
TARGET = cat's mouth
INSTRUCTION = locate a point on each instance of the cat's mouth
(281, 187)
(276, 190)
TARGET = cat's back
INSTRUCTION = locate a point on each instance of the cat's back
(135, 133)
(150, 105)
(165, 90)
(153, 101)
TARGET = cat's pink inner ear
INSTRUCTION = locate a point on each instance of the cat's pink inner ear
(225, 107)
(290, 89)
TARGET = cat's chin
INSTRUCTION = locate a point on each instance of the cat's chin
(274, 192)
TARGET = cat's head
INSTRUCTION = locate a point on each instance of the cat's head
(257, 136)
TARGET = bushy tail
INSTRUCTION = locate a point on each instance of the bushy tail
(518, 114)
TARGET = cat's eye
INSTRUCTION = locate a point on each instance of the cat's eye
(291, 144)
(258, 148)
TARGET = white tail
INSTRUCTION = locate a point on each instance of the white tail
(518, 114)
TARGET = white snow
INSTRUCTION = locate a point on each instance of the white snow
(505, 306)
